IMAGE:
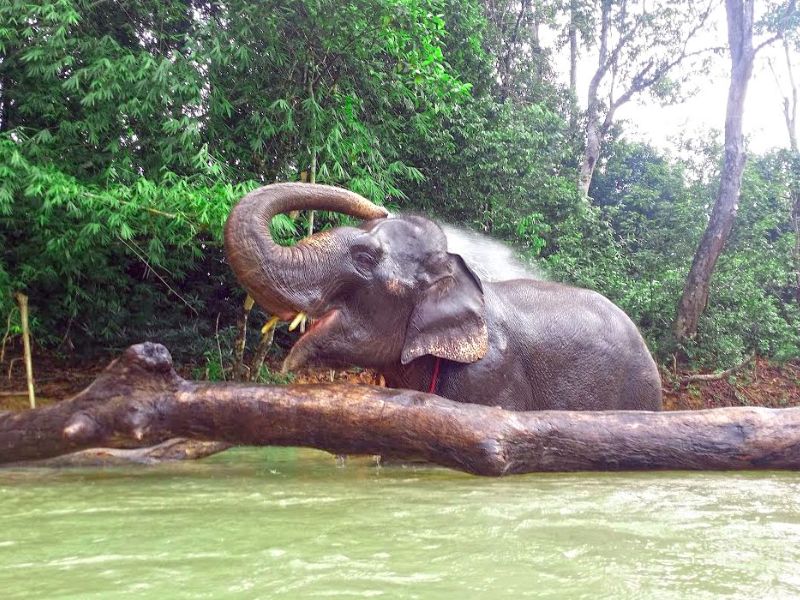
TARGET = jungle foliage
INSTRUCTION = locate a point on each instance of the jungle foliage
(127, 131)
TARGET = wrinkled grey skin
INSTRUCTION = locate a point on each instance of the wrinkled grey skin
(387, 295)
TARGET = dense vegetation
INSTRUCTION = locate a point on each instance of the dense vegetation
(127, 130)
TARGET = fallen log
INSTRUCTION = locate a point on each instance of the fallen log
(139, 400)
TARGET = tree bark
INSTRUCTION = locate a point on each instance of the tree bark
(139, 400)
(591, 152)
(695, 291)
(790, 117)
(239, 368)
(790, 101)
(796, 223)
(22, 301)
(4, 102)
(573, 68)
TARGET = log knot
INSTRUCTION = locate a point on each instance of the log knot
(150, 356)
(81, 429)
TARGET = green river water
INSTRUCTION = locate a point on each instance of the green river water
(288, 523)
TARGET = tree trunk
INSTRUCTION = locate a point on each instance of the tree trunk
(796, 221)
(239, 368)
(594, 133)
(790, 101)
(591, 154)
(790, 116)
(695, 291)
(573, 68)
(3, 105)
(536, 45)
(139, 400)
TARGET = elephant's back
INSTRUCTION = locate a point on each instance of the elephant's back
(582, 351)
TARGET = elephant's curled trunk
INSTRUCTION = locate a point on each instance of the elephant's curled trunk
(284, 280)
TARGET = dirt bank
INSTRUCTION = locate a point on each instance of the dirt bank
(760, 383)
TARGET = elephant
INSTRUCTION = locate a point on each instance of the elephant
(387, 295)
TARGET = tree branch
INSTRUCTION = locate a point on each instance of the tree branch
(720, 375)
(140, 255)
(790, 103)
(791, 8)
(640, 82)
(605, 62)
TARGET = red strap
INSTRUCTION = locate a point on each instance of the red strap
(435, 378)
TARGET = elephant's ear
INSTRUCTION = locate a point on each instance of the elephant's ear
(448, 321)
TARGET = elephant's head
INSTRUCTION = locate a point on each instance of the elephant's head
(385, 292)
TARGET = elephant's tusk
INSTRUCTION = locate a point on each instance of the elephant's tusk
(300, 319)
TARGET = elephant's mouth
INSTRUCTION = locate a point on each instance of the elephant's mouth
(317, 327)
(321, 322)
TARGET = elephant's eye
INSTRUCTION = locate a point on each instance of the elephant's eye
(365, 258)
